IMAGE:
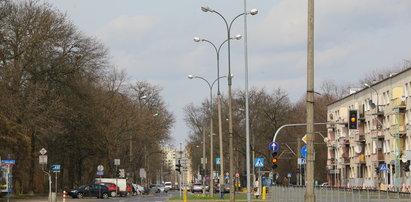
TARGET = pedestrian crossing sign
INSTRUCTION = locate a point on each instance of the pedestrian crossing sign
(217, 161)
(259, 163)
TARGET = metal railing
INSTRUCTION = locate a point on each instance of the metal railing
(334, 194)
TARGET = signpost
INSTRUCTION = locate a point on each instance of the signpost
(259, 162)
(302, 161)
(100, 172)
(273, 146)
(304, 139)
(116, 163)
(8, 163)
(43, 162)
(217, 161)
(304, 151)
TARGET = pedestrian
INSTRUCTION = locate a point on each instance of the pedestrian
(256, 189)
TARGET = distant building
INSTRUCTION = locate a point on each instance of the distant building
(377, 154)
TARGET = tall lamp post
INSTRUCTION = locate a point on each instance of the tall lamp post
(211, 128)
(220, 130)
(229, 78)
(131, 140)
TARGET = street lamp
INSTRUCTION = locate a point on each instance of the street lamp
(211, 129)
(229, 78)
(220, 130)
(131, 140)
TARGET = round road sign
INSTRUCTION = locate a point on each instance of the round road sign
(273, 146)
(100, 168)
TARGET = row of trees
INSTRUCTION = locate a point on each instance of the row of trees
(268, 112)
(60, 92)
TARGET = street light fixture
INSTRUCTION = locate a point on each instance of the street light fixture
(230, 124)
(376, 92)
(131, 141)
(211, 129)
(220, 130)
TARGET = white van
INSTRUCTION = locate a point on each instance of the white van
(168, 185)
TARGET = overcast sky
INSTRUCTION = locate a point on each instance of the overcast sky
(153, 41)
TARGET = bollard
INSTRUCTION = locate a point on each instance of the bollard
(185, 195)
(263, 195)
(64, 196)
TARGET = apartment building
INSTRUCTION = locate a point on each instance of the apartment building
(377, 154)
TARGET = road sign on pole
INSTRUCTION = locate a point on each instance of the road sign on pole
(304, 139)
(43, 151)
(100, 168)
(302, 161)
(304, 151)
(273, 146)
(259, 163)
(217, 161)
(116, 162)
(143, 173)
(8, 162)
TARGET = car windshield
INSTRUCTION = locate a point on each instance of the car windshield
(82, 186)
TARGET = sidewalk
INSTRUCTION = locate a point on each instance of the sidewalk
(45, 199)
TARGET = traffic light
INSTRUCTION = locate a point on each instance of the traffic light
(118, 173)
(202, 172)
(274, 160)
(178, 166)
(352, 119)
(407, 166)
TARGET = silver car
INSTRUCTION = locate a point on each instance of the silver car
(197, 187)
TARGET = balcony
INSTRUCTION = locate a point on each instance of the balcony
(359, 138)
(343, 160)
(379, 156)
(344, 140)
(377, 134)
(359, 159)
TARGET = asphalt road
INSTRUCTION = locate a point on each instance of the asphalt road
(160, 197)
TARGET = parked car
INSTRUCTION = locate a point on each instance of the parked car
(139, 189)
(90, 190)
(111, 188)
(131, 190)
(168, 185)
(175, 186)
(158, 188)
(197, 187)
(226, 188)
(187, 187)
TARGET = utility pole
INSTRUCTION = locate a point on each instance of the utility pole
(309, 192)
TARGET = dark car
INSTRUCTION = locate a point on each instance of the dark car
(90, 190)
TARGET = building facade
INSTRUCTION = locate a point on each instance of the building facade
(377, 154)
